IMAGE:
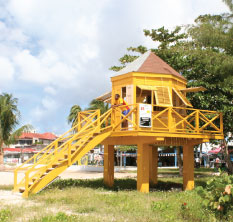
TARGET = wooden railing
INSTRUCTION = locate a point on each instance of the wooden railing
(171, 119)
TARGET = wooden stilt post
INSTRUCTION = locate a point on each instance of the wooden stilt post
(109, 165)
(153, 164)
(143, 168)
(188, 167)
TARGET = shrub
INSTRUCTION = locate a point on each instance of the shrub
(218, 196)
(5, 215)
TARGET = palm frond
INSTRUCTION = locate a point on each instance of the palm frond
(17, 133)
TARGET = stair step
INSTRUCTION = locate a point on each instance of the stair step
(34, 179)
(55, 165)
(49, 169)
(21, 189)
(43, 175)
(60, 160)
(30, 184)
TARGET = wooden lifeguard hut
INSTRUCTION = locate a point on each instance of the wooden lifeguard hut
(160, 115)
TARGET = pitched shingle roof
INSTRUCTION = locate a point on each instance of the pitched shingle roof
(149, 63)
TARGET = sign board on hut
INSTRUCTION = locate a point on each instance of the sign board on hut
(145, 115)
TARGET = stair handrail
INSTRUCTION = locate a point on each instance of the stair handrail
(104, 117)
(75, 136)
(52, 153)
(52, 144)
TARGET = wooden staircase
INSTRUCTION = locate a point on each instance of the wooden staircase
(49, 163)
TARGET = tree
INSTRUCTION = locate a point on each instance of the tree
(96, 104)
(72, 118)
(203, 53)
(229, 3)
(9, 119)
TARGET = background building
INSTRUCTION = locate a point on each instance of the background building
(26, 146)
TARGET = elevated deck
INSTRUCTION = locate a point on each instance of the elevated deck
(168, 125)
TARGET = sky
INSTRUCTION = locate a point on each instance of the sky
(57, 53)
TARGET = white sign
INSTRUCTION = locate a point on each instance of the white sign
(145, 111)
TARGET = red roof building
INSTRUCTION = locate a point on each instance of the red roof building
(42, 136)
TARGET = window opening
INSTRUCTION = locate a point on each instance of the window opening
(163, 96)
(182, 97)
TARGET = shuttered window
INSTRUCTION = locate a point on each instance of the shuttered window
(163, 96)
(182, 97)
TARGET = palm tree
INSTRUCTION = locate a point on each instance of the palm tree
(9, 119)
(72, 118)
(96, 104)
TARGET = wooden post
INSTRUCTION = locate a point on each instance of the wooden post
(153, 164)
(143, 168)
(25, 194)
(197, 121)
(221, 123)
(188, 167)
(109, 165)
(69, 154)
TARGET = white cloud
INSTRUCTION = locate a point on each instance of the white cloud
(44, 69)
(6, 71)
(50, 90)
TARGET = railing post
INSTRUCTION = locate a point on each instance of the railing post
(79, 121)
(221, 123)
(197, 123)
(55, 147)
(169, 119)
(26, 184)
(98, 122)
(113, 118)
(69, 154)
(137, 117)
(15, 179)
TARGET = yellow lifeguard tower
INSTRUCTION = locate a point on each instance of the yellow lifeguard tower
(160, 115)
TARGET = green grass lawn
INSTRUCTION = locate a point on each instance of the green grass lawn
(89, 200)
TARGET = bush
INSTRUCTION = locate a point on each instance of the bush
(218, 196)
(5, 215)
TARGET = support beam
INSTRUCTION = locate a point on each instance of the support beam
(188, 167)
(143, 168)
(153, 164)
(108, 165)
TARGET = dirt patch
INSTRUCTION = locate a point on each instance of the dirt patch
(93, 175)
(9, 198)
